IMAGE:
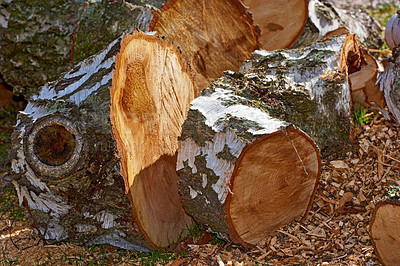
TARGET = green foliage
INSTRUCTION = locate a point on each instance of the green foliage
(360, 116)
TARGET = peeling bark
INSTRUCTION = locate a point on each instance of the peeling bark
(243, 171)
(389, 83)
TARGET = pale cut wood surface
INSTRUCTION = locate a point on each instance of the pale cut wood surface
(280, 21)
(213, 35)
(273, 182)
(150, 96)
(385, 233)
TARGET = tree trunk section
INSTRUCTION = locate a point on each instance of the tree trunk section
(64, 152)
(213, 35)
(325, 18)
(243, 173)
(40, 40)
(314, 88)
(243, 170)
(383, 228)
(280, 21)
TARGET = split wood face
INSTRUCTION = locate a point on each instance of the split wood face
(384, 232)
(213, 35)
(150, 96)
(280, 21)
(362, 71)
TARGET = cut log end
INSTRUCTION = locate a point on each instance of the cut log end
(214, 35)
(273, 183)
(280, 22)
(150, 97)
(384, 231)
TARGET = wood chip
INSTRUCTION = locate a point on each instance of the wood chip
(338, 164)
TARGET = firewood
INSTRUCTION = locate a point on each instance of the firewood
(383, 227)
(243, 171)
(213, 35)
(64, 153)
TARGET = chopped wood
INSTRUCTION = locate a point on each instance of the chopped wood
(326, 19)
(213, 35)
(64, 153)
(280, 21)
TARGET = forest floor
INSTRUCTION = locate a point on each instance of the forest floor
(335, 231)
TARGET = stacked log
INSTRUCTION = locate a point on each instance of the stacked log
(213, 35)
(247, 162)
(95, 153)
(64, 153)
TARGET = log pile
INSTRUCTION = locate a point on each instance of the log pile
(65, 155)
(96, 153)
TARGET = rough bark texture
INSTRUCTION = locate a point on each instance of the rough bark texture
(242, 172)
(389, 83)
(323, 18)
(213, 35)
(280, 21)
(39, 40)
(233, 156)
(311, 88)
(383, 229)
(64, 157)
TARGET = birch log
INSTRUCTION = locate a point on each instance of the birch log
(325, 18)
(64, 155)
(213, 35)
(384, 227)
(40, 40)
(243, 170)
